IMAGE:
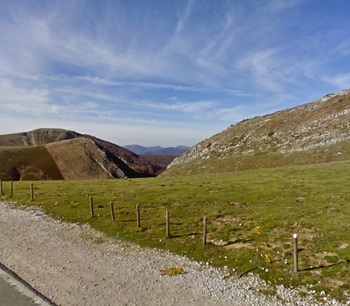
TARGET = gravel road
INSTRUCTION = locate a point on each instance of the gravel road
(75, 265)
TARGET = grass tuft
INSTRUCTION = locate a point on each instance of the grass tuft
(172, 271)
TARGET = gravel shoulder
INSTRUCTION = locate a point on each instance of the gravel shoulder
(75, 265)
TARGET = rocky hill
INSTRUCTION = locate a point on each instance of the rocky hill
(315, 132)
(63, 154)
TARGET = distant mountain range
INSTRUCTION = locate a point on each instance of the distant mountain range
(157, 150)
(316, 132)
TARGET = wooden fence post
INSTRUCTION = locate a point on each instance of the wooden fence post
(111, 207)
(167, 223)
(31, 192)
(138, 215)
(204, 230)
(91, 205)
(11, 188)
(295, 243)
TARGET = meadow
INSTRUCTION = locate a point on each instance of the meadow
(251, 218)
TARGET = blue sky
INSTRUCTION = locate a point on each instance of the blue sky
(165, 72)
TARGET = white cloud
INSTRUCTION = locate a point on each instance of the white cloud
(185, 107)
(263, 67)
(143, 85)
(178, 43)
(236, 113)
(280, 5)
(217, 51)
(19, 99)
(342, 81)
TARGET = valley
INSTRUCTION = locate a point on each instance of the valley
(257, 183)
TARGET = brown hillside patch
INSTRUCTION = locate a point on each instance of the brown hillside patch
(78, 159)
(27, 163)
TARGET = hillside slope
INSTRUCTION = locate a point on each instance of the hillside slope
(90, 162)
(27, 163)
(311, 133)
(69, 155)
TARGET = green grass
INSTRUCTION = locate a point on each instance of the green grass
(313, 201)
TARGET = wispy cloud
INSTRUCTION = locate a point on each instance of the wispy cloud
(184, 107)
(236, 113)
(18, 99)
(277, 5)
(264, 66)
(342, 81)
(142, 85)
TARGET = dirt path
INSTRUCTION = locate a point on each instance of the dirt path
(75, 265)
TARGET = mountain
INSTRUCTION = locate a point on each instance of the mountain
(137, 149)
(316, 132)
(157, 150)
(37, 137)
(63, 154)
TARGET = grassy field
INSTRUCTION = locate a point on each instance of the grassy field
(251, 215)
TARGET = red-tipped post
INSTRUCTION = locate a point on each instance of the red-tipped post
(295, 244)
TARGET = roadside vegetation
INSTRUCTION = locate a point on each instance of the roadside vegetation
(251, 216)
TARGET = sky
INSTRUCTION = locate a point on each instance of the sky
(165, 72)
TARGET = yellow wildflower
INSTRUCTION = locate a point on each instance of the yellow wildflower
(258, 230)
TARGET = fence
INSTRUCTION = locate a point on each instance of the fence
(138, 219)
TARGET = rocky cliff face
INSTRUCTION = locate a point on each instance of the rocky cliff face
(315, 132)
